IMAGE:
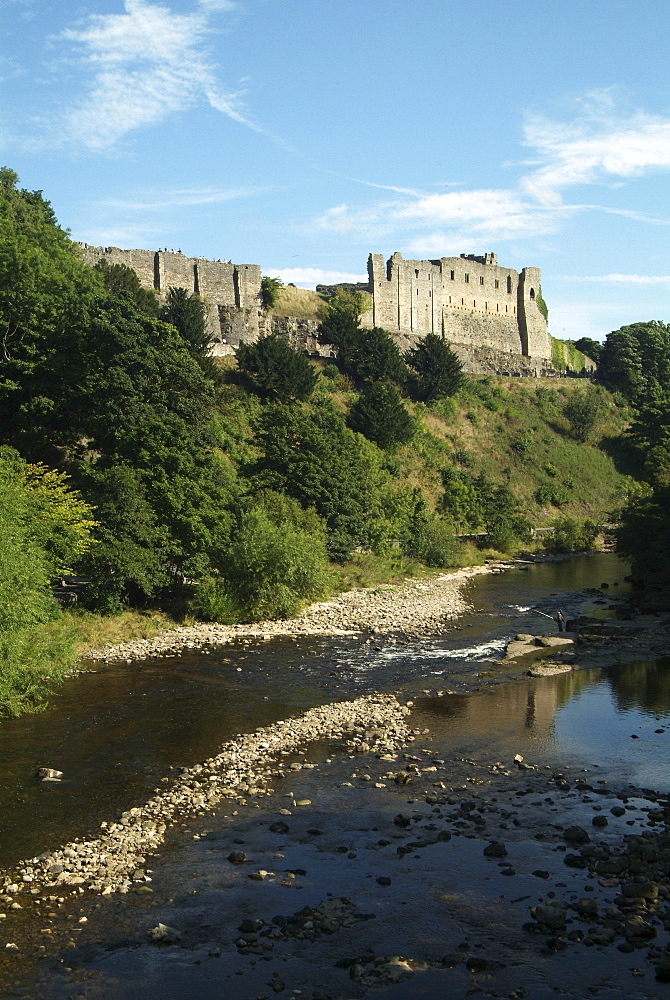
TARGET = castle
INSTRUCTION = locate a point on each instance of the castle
(490, 315)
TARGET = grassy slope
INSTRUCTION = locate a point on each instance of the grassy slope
(514, 431)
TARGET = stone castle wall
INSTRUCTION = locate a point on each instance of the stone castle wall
(488, 313)
(467, 300)
(230, 291)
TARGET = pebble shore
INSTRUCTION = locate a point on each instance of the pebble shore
(413, 608)
(244, 767)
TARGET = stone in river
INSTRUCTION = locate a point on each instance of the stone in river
(495, 850)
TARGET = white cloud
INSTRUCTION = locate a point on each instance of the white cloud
(312, 276)
(185, 197)
(599, 145)
(145, 64)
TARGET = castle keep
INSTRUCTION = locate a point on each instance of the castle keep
(467, 300)
(488, 313)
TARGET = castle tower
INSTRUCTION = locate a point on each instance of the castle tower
(535, 339)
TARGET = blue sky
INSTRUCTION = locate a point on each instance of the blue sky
(302, 135)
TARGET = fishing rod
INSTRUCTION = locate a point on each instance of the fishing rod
(542, 613)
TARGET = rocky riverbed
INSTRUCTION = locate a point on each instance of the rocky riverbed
(356, 848)
(413, 608)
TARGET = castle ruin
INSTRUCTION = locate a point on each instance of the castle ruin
(468, 300)
(489, 314)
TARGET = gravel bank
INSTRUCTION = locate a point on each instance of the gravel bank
(244, 767)
(413, 608)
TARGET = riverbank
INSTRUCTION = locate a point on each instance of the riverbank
(413, 608)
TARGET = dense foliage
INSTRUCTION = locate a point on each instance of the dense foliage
(436, 371)
(272, 369)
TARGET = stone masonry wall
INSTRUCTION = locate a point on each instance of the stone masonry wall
(469, 300)
(488, 313)
(230, 291)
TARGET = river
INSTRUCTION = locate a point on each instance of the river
(117, 732)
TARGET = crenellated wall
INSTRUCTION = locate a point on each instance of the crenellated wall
(488, 313)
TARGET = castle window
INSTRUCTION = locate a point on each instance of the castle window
(486, 306)
(450, 300)
(497, 307)
(430, 294)
(496, 283)
(462, 302)
(509, 284)
(416, 273)
(474, 303)
(532, 293)
(506, 308)
(453, 275)
(467, 279)
(481, 281)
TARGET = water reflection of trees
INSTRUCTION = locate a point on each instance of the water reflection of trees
(645, 685)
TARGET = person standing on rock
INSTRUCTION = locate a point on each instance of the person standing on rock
(560, 618)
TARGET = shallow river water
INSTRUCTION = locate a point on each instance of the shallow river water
(116, 732)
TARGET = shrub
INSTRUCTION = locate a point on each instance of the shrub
(269, 291)
(277, 561)
(570, 535)
(433, 542)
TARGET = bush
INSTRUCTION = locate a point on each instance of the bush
(570, 535)
(582, 413)
(277, 561)
(269, 291)
(31, 661)
(213, 602)
(433, 542)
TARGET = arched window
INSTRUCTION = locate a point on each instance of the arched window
(532, 293)
(509, 284)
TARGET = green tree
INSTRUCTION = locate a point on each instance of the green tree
(272, 369)
(591, 348)
(635, 361)
(583, 411)
(119, 279)
(312, 456)
(277, 558)
(270, 288)
(571, 535)
(643, 536)
(369, 355)
(188, 315)
(436, 371)
(341, 323)
(380, 415)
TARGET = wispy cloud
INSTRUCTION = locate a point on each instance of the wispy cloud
(185, 197)
(312, 276)
(599, 145)
(143, 65)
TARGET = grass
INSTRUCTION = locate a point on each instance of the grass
(299, 302)
(514, 432)
(95, 632)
